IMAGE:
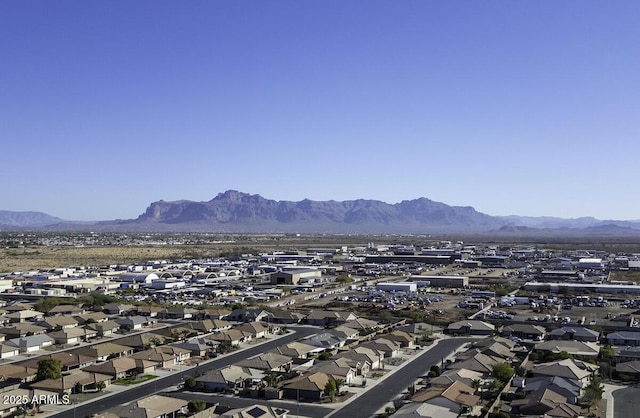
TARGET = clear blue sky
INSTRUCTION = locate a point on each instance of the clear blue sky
(512, 107)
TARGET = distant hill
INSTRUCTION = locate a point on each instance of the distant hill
(27, 219)
(233, 211)
(237, 212)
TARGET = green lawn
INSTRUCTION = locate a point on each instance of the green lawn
(138, 379)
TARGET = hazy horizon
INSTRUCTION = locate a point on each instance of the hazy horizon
(513, 108)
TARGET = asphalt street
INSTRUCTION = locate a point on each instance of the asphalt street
(374, 399)
(626, 402)
(161, 383)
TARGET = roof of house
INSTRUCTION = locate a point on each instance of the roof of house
(573, 347)
(256, 411)
(309, 382)
(119, 365)
(228, 374)
(581, 332)
(567, 368)
(68, 381)
(456, 392)
(150, 407)
(624, 335)
(472, 325)
(266, 361)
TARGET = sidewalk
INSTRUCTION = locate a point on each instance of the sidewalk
(608, 395)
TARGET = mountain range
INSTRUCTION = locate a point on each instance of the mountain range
(237, 212)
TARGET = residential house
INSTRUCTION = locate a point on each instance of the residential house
(198, 347)
(524, 331)
(574, 333)
(22, 330)
(229, 378)
(420, 329)
(25, 316)
(143, 341)
(298, 349)
(91, 317)
(626, 338)
(152, 406)
(404, 339)
(630, 368)
(248, 315)
(148, 311)
(232, 337)
(478, 362)
(570, 389)
(66, 310)
(324, 318)
(121, 367)
(31, 343)
(212, 314)
(70, 361)
(362, 324)
(117, 308)
(178, 312)
(72, 335)
(568, 369)
(204, 326)
(55, 323)
(8, 351)
(361, 362)
(450, 376)
(386, 347)
(104, 329)
(267, 362)
(132, 323)
(325, 340)
(153, 355)
(257, 410)
(578, 349)
(457, 397)
(308, 387)
(68, 383)
(544, 402)
(470, 327)
(255, 329)
(287, 317)
(14, 409)
(340, 368)
(104, 351)
(17, 373)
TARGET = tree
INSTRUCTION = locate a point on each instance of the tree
(339, 383)
(77, 388)
(503, 371)
(593, 391)
(272, 378)
(190, 383)
(49, 368)
(435, 369)
(330, 389)
(101, 386)
(344, 278)
(196, 405)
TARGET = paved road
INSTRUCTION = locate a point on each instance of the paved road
(374, 399)
(160, 383)
(626, 402)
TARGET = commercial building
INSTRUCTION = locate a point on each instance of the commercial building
(443, 281)
(407, 287)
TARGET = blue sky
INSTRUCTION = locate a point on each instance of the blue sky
(528, 108)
